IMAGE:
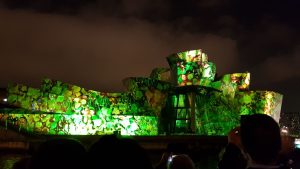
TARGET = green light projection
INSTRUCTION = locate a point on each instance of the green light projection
(163, 74)
(76, 124)
(185, 98)
(61, 108)
(192, 68)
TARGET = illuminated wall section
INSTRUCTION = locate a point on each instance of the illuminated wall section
(70, 100)
(217, 114)
(163, 74)
(234, 81)
(148, 94)
(59, 97)
(214, 115)
(75, 124)
(262, 102)
(231, 83)
(191, 68)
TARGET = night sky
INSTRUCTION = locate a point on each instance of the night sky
(96, 44)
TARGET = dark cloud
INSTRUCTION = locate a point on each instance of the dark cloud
(97, 43)
(267, 40)
(96, 54)
(279, 68)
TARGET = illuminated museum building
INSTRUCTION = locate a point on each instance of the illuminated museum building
(185, 98)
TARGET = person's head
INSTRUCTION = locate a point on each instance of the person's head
(181, 161)
(59, 154)
(104, 152)
(113, 152)
(260, 137)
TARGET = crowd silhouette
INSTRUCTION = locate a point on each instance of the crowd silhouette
(256, 144)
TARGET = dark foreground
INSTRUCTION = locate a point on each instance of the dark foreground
(204, 150)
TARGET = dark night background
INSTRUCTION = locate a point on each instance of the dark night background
(96, 44)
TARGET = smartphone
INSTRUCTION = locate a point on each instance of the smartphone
(297, 143)
(170, 159)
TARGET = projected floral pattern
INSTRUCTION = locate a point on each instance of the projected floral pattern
(62, 109)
